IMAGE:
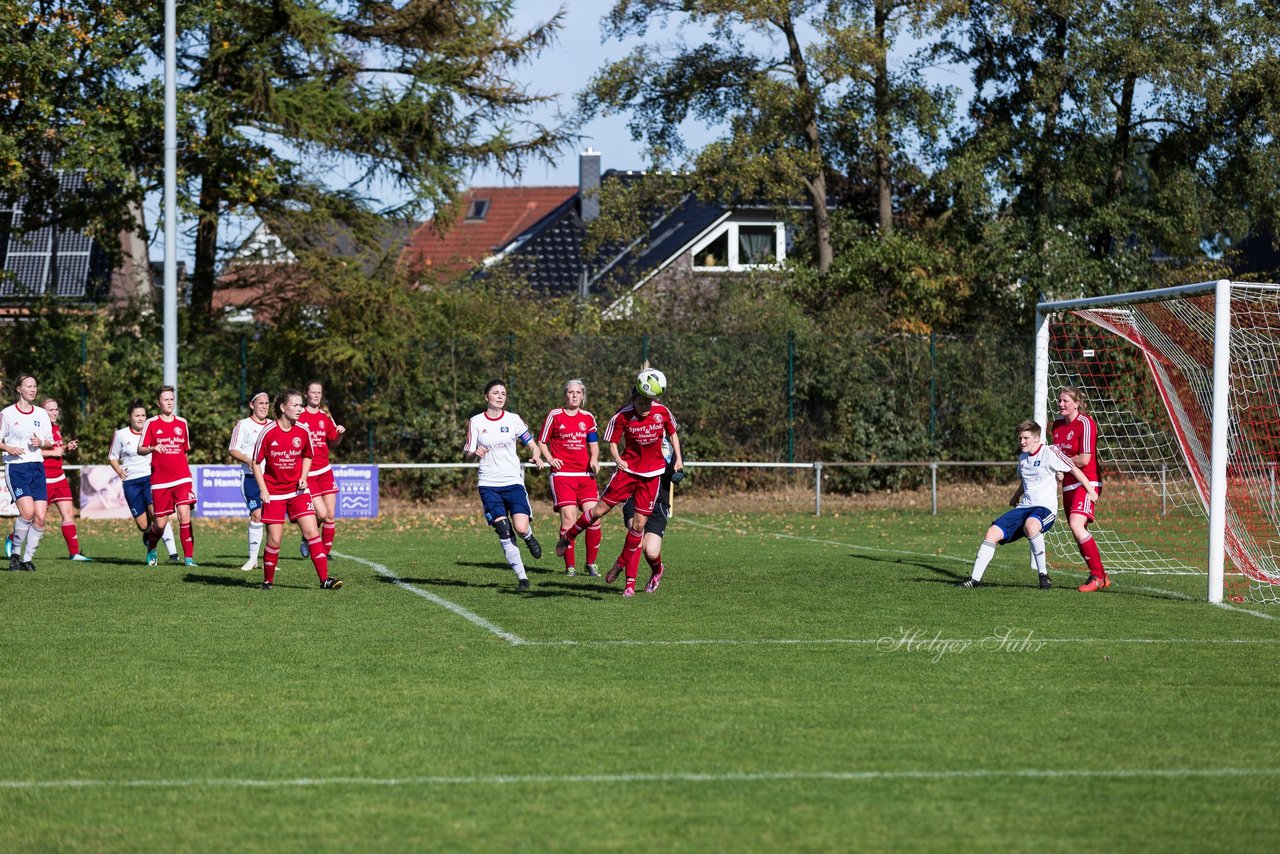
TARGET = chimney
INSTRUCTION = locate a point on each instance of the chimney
(589, 185)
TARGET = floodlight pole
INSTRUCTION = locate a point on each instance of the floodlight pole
(170, 196)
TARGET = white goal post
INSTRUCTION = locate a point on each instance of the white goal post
(1185, 385)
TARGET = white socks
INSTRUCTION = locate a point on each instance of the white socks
(255, 539)
(513, 557)
(986, 552)
(1037, 553)
(169, 544)
(29, 545)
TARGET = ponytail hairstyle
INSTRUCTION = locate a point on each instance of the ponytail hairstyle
(283, 397)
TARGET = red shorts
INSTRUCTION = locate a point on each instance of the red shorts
(1077, 501)
(322, 483)
(624, 485)
(573, 490)
(275, 511)
(59, 490)
(167, 499)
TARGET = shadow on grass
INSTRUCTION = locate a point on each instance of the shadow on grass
(507, 586)
(245, 580)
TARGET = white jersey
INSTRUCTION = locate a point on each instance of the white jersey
(124, 450)
(501, 465)
(16, 429)
(1039, 473)
(244, 438)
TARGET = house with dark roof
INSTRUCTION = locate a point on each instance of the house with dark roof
(540, 234)
(66, 263)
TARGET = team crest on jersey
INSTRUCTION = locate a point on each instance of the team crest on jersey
(504, 429)
(297, 442)
(582, 425)
(657, 417)
(177, 431)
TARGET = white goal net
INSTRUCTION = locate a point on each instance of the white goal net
(1145, 365)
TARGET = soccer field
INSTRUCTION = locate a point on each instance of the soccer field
(796, 683)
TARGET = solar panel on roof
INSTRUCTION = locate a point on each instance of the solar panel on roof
(28, 258)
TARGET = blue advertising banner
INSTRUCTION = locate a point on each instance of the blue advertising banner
(218, 491)
(357, 491)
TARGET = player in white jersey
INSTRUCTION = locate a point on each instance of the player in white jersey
(492, 438)
(1035, 503)
(134, 471)
(244, 439)
(25, 433)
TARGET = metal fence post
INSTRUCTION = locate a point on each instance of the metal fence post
(817, 488)
(791, 396)
(244, 371)
(368, 407)
(933, 485)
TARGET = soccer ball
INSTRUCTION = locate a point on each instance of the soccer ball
(651, 383)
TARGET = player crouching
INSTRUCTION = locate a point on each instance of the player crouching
(1035, 503)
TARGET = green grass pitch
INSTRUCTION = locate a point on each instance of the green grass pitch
(796, 683)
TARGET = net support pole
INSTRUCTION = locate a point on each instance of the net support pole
(1218, 458)
(1042, 369)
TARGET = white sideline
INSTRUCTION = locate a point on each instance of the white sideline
(470, 616)
(876, 550)
(669, 777)
(893, 640)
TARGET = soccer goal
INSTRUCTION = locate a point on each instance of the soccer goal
(1185, 385)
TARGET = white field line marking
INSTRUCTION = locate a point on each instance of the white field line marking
(469, 616)
(896, 641)
(671, 777)
(877, 550)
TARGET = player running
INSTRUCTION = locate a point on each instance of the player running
(281, 463)
(56, 483)
(1035, 503)
(640, 426)
(491, 438)
(1076, 435)
(166, 438)
(134, 471)
(25, 433)
(244, 439)
(570, 444)
(656, 527)
(324, 489)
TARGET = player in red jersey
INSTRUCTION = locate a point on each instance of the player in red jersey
(281, 464)
(58, 486)
(324, 489)
(167, 438)
(640, 426)
(1076, 435)
(570, 443)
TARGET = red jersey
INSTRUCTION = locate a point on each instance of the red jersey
(642, 437)
(171, 440)
(323, 431)
(1079, 437)
(280, 454)
(569, 439)
(53, 465)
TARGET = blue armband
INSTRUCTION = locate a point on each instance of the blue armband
(593, 436)
(526, 437)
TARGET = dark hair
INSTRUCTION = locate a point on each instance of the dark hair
(165, 388)
(314, 382)
(22, 378)
(283, 397)
(488, 388)
(254, 396)
(136, 403)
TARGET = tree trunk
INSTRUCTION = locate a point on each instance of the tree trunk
(206, 253)
(1106, 241)
(884, 186)
(1046, 154)
(807, 112)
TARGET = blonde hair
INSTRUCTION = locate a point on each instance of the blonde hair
(1076, 395)
(579, 383)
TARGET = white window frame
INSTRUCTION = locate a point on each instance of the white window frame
(733, 265)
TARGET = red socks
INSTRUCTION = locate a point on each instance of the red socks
(73, 541)
(269, 560)
(327, 530)
(593, 542)
(188, 541)
(568, 554)
(1092, 559)
(319, 558)
(630, 556)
